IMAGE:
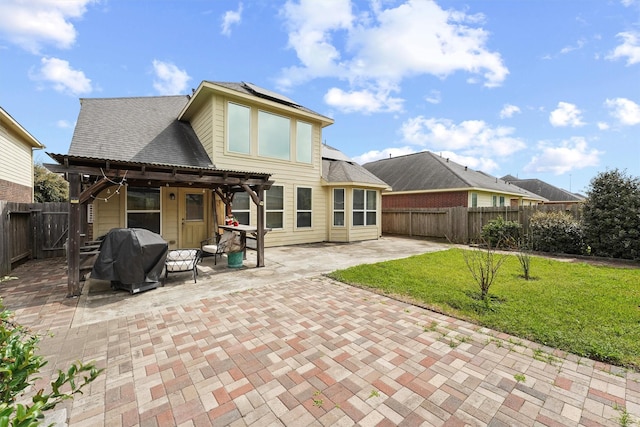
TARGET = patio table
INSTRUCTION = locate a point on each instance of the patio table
(243, 230)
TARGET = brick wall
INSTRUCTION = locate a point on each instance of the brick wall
(425, 200)
(12, 192)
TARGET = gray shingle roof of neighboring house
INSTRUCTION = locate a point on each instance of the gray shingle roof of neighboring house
(339, 168)
(426, 171)
(541, 188)
(141, 129)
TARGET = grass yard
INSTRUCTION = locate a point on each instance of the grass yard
(588, 310)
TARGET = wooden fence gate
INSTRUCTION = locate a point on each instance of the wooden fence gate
(31, 230)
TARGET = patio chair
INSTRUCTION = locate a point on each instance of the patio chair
(212, 247)
(182, 260)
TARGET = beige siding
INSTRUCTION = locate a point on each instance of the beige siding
(169, 216)
(109, 214)
(287, 173)
(16, 161)
(202, 124)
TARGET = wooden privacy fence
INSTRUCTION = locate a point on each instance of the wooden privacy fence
(31, 230)
(460, 224)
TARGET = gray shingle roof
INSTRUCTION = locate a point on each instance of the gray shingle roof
(142, 129)
(427, 171)
(338, 168)
(543, 189)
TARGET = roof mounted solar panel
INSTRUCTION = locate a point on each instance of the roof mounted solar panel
(265, 93)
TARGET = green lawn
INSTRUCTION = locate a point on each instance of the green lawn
(591, 311)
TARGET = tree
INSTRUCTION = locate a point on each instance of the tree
(48, 186)
(612, 215)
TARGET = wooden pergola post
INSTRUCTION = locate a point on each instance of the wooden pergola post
(73, 244)
(260, 234)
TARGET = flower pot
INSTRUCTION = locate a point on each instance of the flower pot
(234, 259)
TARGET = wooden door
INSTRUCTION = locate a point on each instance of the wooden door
(193, 214)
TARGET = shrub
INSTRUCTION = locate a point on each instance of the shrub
(501, 233)
(556, 232)
(18, 365)
(611, 215)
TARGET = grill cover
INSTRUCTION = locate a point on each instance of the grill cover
(131, 258)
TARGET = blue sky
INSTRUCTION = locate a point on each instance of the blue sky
(533, 88)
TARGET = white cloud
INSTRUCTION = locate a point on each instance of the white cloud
(63, 124)
(363, 101)
(170, 80)
(471, 137)
(373, 155)
(64, 78)
(603, 125)
(624, 110)
(230, 18)
(569, 155)
(508, 111)
(579, 45)
(566, 115)
(630, 48)
(33, 24)
(380, 47)
(434, 97)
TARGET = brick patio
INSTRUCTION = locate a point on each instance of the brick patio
(309, 352)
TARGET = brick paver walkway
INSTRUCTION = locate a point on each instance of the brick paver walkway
(311, 352)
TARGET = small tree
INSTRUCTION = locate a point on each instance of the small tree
(18, 365)
(611, 215)
(483, 263)
(525, 248)
(48, 186)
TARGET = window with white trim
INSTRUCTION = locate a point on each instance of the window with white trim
(303, 207)
(338, 207)
(474, 200)
(364, 207)
(274, 207)
(238, 128)
(143, 208)
(304, 145)
(274, 136)
(241, 207)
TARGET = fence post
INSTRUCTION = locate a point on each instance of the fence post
(5, 255)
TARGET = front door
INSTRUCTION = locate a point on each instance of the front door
(193, 228)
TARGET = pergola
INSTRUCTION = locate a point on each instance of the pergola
(89, 176)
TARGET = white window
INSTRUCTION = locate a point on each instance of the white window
(474, 200)
(501, 201)
(238, 128)
(274, 136)
(338, 207)
(241, 207)
(303, 207)
(364, 207)
(143, 208)
(303, 142)
(494, 201)
(274, 207)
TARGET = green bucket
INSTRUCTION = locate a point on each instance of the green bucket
(234, 259)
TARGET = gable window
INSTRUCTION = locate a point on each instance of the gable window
(303, 142)
(274, 137)
(238, 128)
(303, 207)
(143, 208)
(338, 207)
(274, 207)
(364, 207)
(474, 200)
(240, 208)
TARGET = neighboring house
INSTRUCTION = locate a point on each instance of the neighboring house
(229, 132)
(16, 162)
(554, 195)
(426, 180)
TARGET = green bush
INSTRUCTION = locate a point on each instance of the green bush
(18, 365)
(611, 215)
(501, 233)
(556, 232)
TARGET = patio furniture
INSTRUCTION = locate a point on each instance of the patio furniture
(212, 247)
(182, 260)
